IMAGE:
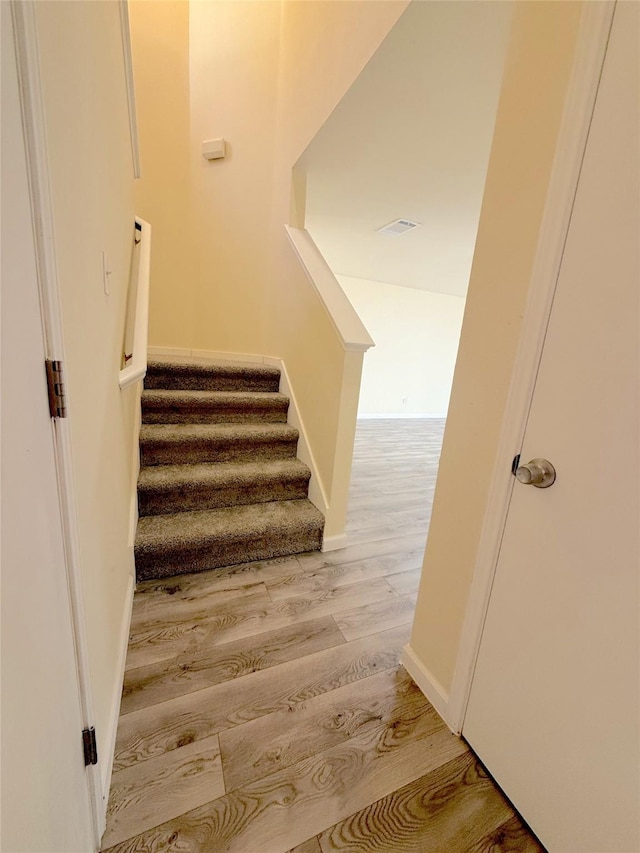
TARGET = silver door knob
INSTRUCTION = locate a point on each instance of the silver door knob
(539, 473)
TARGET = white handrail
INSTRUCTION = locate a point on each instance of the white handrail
(343, 316)
(137, 366)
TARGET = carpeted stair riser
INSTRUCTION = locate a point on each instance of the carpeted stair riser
(212, 377)
(191, 542)
(186, 444)
(186, 488)
(173, 407)
(200, 559)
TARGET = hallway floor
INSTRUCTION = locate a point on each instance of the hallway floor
(264, 709)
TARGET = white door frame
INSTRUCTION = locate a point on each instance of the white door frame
(595, 26)
(31, 103)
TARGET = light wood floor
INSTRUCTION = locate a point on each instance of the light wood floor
(264, 710)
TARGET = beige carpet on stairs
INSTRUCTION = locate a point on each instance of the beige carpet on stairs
(219, 483)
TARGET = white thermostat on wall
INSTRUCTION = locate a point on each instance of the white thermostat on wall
(213, 149)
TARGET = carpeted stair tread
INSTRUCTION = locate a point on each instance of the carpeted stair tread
(211, 376)
(186, 432)
(160, 405)
(165, 489)
(162, 444)
(194, 541)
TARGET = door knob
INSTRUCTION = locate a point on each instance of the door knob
(539, 473)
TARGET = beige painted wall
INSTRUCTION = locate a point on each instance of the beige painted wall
(160, 46)
(537, 71)
(92, 190)
(264, 76)
(324, 46)
(410, 369)
(233, 79)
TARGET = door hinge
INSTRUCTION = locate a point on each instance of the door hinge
(90, 746)
(515, 464)
(55, 386)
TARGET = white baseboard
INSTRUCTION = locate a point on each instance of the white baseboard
(317, 494)
(400, 417)
(203, 354)
(225, 356)
(123, 639)
(135, 467)
(334, 543)
(430, 686)
(168, 351)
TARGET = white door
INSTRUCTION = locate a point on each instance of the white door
(554, 711)
(45, 802)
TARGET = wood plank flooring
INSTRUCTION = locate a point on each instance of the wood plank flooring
(264, 709)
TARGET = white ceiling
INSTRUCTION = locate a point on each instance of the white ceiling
(411, 140)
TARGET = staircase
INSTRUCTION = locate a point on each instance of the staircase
(219, 482)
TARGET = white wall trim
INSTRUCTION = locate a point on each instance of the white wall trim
(202, 354)
(226, 356)
(418, 416)
(139, 324)
(428, 684)
(125, 30)
(344, 318)
(317, 491)
(135, 473)
(123, 643)
(595, 26)
(334, 543)
(34, 127)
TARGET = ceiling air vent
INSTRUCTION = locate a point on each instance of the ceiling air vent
(399, 226)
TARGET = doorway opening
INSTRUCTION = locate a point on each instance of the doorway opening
(394, 186)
